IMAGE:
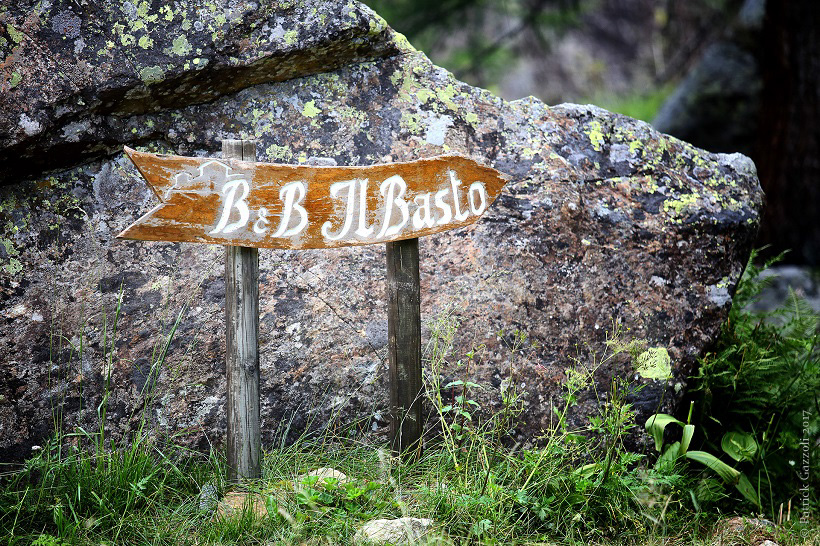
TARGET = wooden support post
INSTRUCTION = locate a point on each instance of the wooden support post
(189, 209)
(404, 335)
(242, 346)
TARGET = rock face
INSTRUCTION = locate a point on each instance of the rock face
(75, 74)
(605, 222)
(718, 102)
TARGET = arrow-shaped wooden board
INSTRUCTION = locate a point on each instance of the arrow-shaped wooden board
(267, 205)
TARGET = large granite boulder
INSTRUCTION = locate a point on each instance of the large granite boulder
(605, 223)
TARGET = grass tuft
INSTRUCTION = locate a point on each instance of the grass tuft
(570, 485)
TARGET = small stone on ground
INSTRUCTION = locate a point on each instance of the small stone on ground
(234, 502)
(393, 531)
(740, 530)
(323, 474)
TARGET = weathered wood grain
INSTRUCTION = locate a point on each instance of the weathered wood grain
(404, 346)
(265, 205)
(244, 443)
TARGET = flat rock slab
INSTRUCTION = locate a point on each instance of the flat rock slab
(396, 532)
(236, 503)
(756, 532)
(322, 474)
(605, 223)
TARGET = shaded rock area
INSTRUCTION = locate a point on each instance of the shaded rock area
(718, 102)
(784, 280)
(757, 91)
(605, 224)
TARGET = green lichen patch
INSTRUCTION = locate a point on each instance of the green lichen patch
(291, 37)
(180, 46)
(377, 24)
(167, 13)
(677, 208)
(145, 42)
(594, 131)
(352, 117)
(310, 110)
(16, 35)
(276, 152)
(11, 265)
(424, 95)
(152, 74)
(410, 122)
(446, 94)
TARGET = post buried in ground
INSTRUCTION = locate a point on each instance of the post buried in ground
(404, 346)
(242, 346)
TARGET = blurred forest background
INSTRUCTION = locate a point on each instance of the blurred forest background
(725, 75)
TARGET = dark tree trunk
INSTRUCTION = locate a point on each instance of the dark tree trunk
(788, 144)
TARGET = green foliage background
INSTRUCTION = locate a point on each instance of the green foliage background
(481, 41)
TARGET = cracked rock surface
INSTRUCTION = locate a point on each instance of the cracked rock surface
(605, 223)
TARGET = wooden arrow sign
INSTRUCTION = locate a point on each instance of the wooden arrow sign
(265, 205)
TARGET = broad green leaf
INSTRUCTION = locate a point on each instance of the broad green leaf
(672, 452)
(688, 432)
(355, 493)
(271, 505)
(695, 502)
(587, 470)
(729, 474)
(654, 363)
(740, 446)
(656, 424)
(747, 490)
(481, 527)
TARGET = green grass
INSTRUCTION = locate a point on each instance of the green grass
(757, 394)
(644, 106)
(570, 486)
(159, 503)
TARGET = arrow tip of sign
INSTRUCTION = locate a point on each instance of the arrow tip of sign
(130, 152)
